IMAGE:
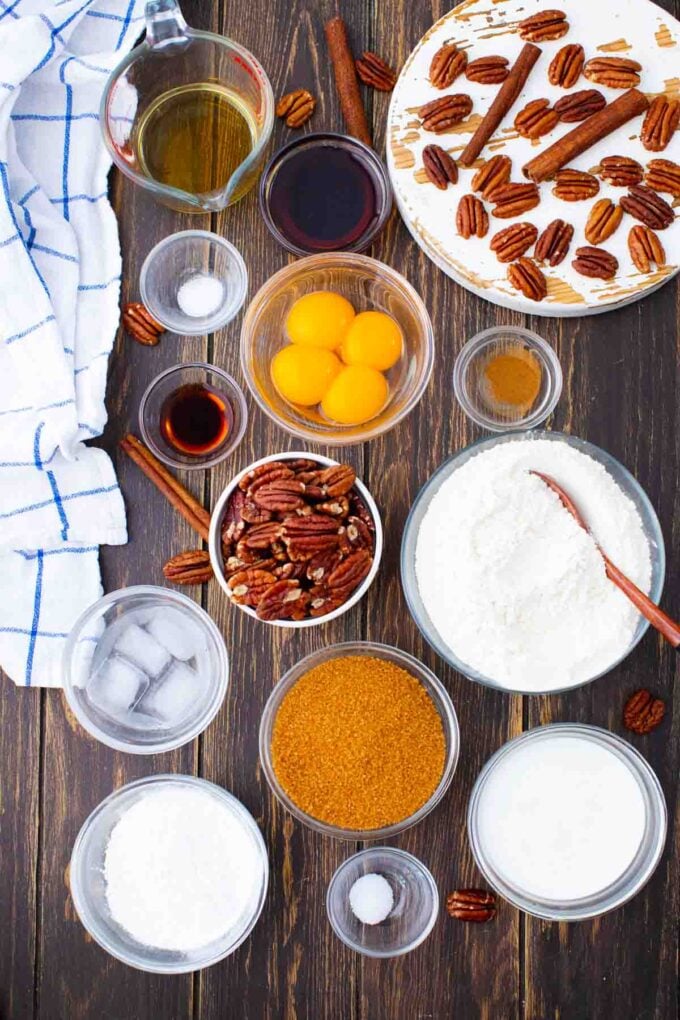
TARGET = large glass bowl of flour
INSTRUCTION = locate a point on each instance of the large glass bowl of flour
(504, 584)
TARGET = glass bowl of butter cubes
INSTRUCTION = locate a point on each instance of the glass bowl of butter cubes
(145, 670)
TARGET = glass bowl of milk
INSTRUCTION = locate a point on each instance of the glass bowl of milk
(567, 821)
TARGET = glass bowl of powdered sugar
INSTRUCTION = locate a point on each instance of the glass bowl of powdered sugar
(169, 874)
(504, 584)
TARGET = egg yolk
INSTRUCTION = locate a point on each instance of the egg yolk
(356, 395)
(302, 375)
(373, 339)
(319, 319)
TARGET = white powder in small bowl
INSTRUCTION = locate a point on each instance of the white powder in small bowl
(200, 296)
(371, 899)
(182, 870)
(515, 588)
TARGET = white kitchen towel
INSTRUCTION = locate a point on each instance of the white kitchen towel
(60, 267)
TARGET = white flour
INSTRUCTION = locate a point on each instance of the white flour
(515, 587)
(181, 870)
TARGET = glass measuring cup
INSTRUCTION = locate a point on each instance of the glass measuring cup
(188, 114)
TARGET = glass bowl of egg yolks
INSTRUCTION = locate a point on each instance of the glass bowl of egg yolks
(337, 348)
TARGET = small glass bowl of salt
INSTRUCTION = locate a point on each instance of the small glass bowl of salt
(193, 282)
(382, 902)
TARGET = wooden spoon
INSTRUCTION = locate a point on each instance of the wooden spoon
(665, 626)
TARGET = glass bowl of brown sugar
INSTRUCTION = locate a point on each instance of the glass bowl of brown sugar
(359, 741)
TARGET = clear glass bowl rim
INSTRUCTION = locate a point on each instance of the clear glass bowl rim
(338, 260)
(380, 173)
(549, 359)
(165, 190)
(215, 547)
(219, 318)
(409, 582)
(392, 851)
(420, 671)
(211, 709)
(89, 921)
(642, 866)
(236, 393)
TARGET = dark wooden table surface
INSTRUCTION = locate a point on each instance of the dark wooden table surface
(621, 392)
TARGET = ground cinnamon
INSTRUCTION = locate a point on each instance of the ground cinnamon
(346, 81)
(585, 135)
(358, 743)
(512, 379)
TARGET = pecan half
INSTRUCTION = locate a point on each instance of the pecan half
(536, 119)
(660, 123)
(192, 567)
(334, 507)
(290, 571)
(261, 536)
(663, 175)
(514, 199)
(488, 70)
(284, 494)
(575, 185)
(579, 105)
(357, 534)
(246, 587)
(321, 565)
(296, 107)
(471, 217)
(374, 71)
(233, 524)
(595, 263)
(566, 66)
(265, 473)
(493, 174)
(337, 480)
(648, 207)
(446, 65)
(620, 171)
(350, 573)
(442, 113)
(254, 514)
(513, 241)
(310, 524)
(615, 72)
(603, 220)
(544, 26)
(525, 276)
(642, 712)
(323, 601)
(645, 248)
(553, 244)
(283, 600)
(141, 325)
(303, 547)
(439, 166)
(471, 905)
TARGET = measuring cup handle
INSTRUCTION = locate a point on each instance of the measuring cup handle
(164, 22)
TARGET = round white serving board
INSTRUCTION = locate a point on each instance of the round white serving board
(628, 28)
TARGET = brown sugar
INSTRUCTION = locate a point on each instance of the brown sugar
(358, 743)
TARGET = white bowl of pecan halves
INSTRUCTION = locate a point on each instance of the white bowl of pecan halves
(295, 539)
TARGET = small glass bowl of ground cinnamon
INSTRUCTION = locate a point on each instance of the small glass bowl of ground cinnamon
(359, 740)
(507, 378)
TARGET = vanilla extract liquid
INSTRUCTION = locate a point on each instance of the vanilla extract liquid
(195, 419)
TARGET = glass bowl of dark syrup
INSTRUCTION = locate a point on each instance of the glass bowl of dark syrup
(325, 192)
(193, 415)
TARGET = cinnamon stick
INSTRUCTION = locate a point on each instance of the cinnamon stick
(173, 490)
(505, 99)
(585, 135)
(346, 81)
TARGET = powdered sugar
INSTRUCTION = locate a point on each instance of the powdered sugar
(182, 870)
(514, 586)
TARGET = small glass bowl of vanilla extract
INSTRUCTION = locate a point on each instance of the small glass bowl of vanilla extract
(325, 192)
(193, 415)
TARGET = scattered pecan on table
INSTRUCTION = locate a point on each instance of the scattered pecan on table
(536, 119)
(471, 905)
(444, 112)
(553, 244)
(642, 712)
(566, 66)
(575, 185)
(375, 72)
(295, 108)
(578, 106)
(191, 567)
(603, 220)
(439, 166)
(663, 175)
(297, 539)
(544, 26)
(645, 205)
(595, 263)
(620, 171)
(645, 248)
(141, 325)
(660, 123)
(471, 217)
(488, 70)
(526, 277)
(492, 175)
(615, 72)
(514, 199)
(513, 241)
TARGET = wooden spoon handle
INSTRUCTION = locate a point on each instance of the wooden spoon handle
(663, 623)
